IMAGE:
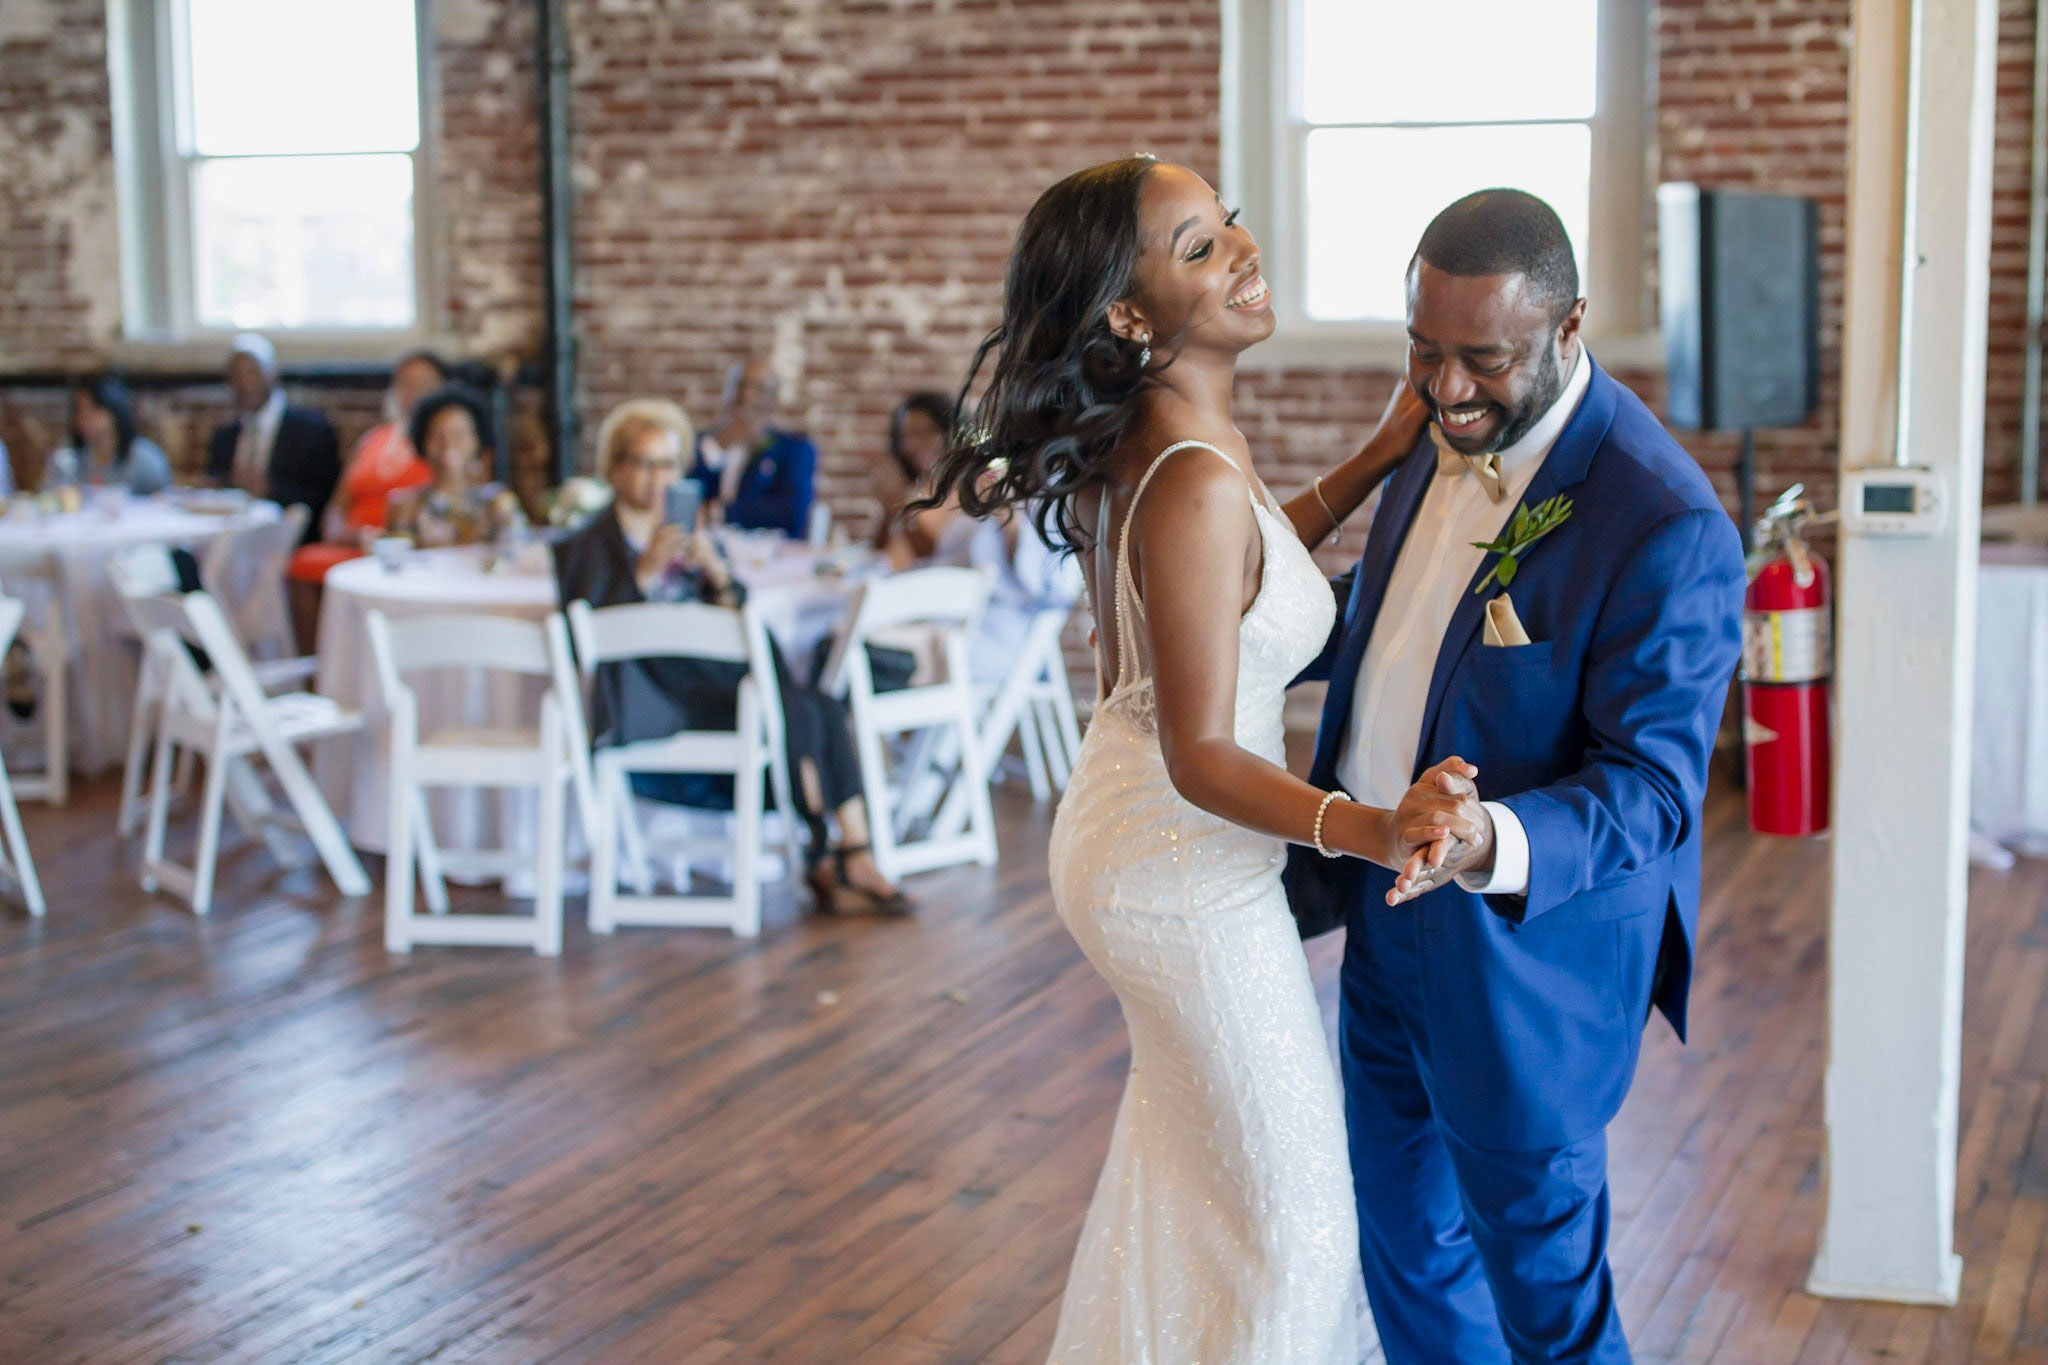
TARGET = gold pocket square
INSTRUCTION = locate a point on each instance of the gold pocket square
(1503, 627)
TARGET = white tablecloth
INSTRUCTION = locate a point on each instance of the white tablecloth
(2009, 744)
(799, 606)
(59, 563)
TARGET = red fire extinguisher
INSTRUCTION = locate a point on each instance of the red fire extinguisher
(1787, 659)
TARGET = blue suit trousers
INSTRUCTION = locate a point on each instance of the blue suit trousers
(1471, 1256)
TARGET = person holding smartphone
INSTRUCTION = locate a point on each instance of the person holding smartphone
(647, 547)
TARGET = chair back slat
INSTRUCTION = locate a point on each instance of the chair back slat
(656, 630)
(504, 643)
(940, 596)
(143, 571)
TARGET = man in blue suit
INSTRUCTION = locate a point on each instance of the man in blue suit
(763, 478)
(1489, 1030)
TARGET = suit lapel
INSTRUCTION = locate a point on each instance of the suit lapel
(1563, 468)
(1398, 506)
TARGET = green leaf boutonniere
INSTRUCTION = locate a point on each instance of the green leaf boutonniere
(1528, 526)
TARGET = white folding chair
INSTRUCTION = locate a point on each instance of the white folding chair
(49, 646)
(1035, 703)
(245, 569)
(818, 527)
(226, 718)
(139, 574)
(489, 757)
(688, 630)
(942, 715)
(18, 863)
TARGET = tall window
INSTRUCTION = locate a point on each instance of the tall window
(271, 155)
(1352, 122)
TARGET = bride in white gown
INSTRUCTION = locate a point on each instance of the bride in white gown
(1223, 1228)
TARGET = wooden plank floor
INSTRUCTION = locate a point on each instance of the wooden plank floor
(260, 1138)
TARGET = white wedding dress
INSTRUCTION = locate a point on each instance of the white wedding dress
(1223, 1229)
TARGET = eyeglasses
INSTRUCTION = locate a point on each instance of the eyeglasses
(641, 465)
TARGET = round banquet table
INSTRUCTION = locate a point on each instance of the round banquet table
(798, 605)
(2009, 743)
(58, 562)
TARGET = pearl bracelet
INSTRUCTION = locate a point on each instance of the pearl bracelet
(1321, 811)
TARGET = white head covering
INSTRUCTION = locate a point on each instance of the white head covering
(258, 349)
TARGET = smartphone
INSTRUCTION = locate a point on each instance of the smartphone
(683, 500)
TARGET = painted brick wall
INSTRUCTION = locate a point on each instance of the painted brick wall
(836, 184)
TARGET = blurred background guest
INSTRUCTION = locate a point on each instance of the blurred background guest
(1029, 579)
(630, 552)
(383, 462)
(458, 505)
(105, 447)
(272, 449)
(917, 438)
(6, 473)
(760, 478)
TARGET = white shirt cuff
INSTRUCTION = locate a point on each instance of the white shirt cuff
(1510, 874)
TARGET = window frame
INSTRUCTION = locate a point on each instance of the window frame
(1263, 142)
(154, 168)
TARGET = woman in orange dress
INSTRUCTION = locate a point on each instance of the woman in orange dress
(382, 463)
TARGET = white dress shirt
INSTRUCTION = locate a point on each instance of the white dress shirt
(1432, 576)
(728, 463)
(253, 442)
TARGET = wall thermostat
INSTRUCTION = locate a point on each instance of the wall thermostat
(1894, 500)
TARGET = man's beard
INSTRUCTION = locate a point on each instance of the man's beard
(1543, 392)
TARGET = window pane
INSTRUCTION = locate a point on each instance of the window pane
(1371, 191)
(279, 76)
(303, 242)
(1448, 61)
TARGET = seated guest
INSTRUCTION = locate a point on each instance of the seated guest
(383, 462)
(1029, 578)
(6, 473)
(273, 450)
(105, 446)
(629, 553)
(451, 427)
(918, 432)
(759, 478)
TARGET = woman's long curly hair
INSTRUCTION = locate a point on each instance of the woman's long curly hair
(1063, 393)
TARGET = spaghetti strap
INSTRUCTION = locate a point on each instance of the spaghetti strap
(1128, 608)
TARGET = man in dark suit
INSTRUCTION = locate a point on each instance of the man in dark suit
(762, 478)
(273, 450)
(1579, 658)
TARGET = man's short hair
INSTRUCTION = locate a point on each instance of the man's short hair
(1505, 232)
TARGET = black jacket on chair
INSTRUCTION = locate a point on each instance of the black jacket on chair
(305, 461)
(639, 698)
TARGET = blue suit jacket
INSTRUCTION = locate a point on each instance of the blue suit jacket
(776, 488)
(1597, 737)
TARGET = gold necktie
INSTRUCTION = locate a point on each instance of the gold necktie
(1486, 467)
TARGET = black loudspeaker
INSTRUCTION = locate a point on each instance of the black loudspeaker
(1739, 285)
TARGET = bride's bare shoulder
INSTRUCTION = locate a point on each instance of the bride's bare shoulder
(1195, 490)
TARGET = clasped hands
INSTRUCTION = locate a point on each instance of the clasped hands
(1445, 828)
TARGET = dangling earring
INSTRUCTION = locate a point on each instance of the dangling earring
(1145, 356)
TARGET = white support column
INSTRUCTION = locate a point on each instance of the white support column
(1913, 383)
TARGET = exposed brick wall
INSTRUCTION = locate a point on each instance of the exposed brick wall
(2011, 168)
(837, 184)
(59, 294)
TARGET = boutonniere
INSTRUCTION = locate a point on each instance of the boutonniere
(1528, 526)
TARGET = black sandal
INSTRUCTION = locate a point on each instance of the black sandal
(836, 895)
